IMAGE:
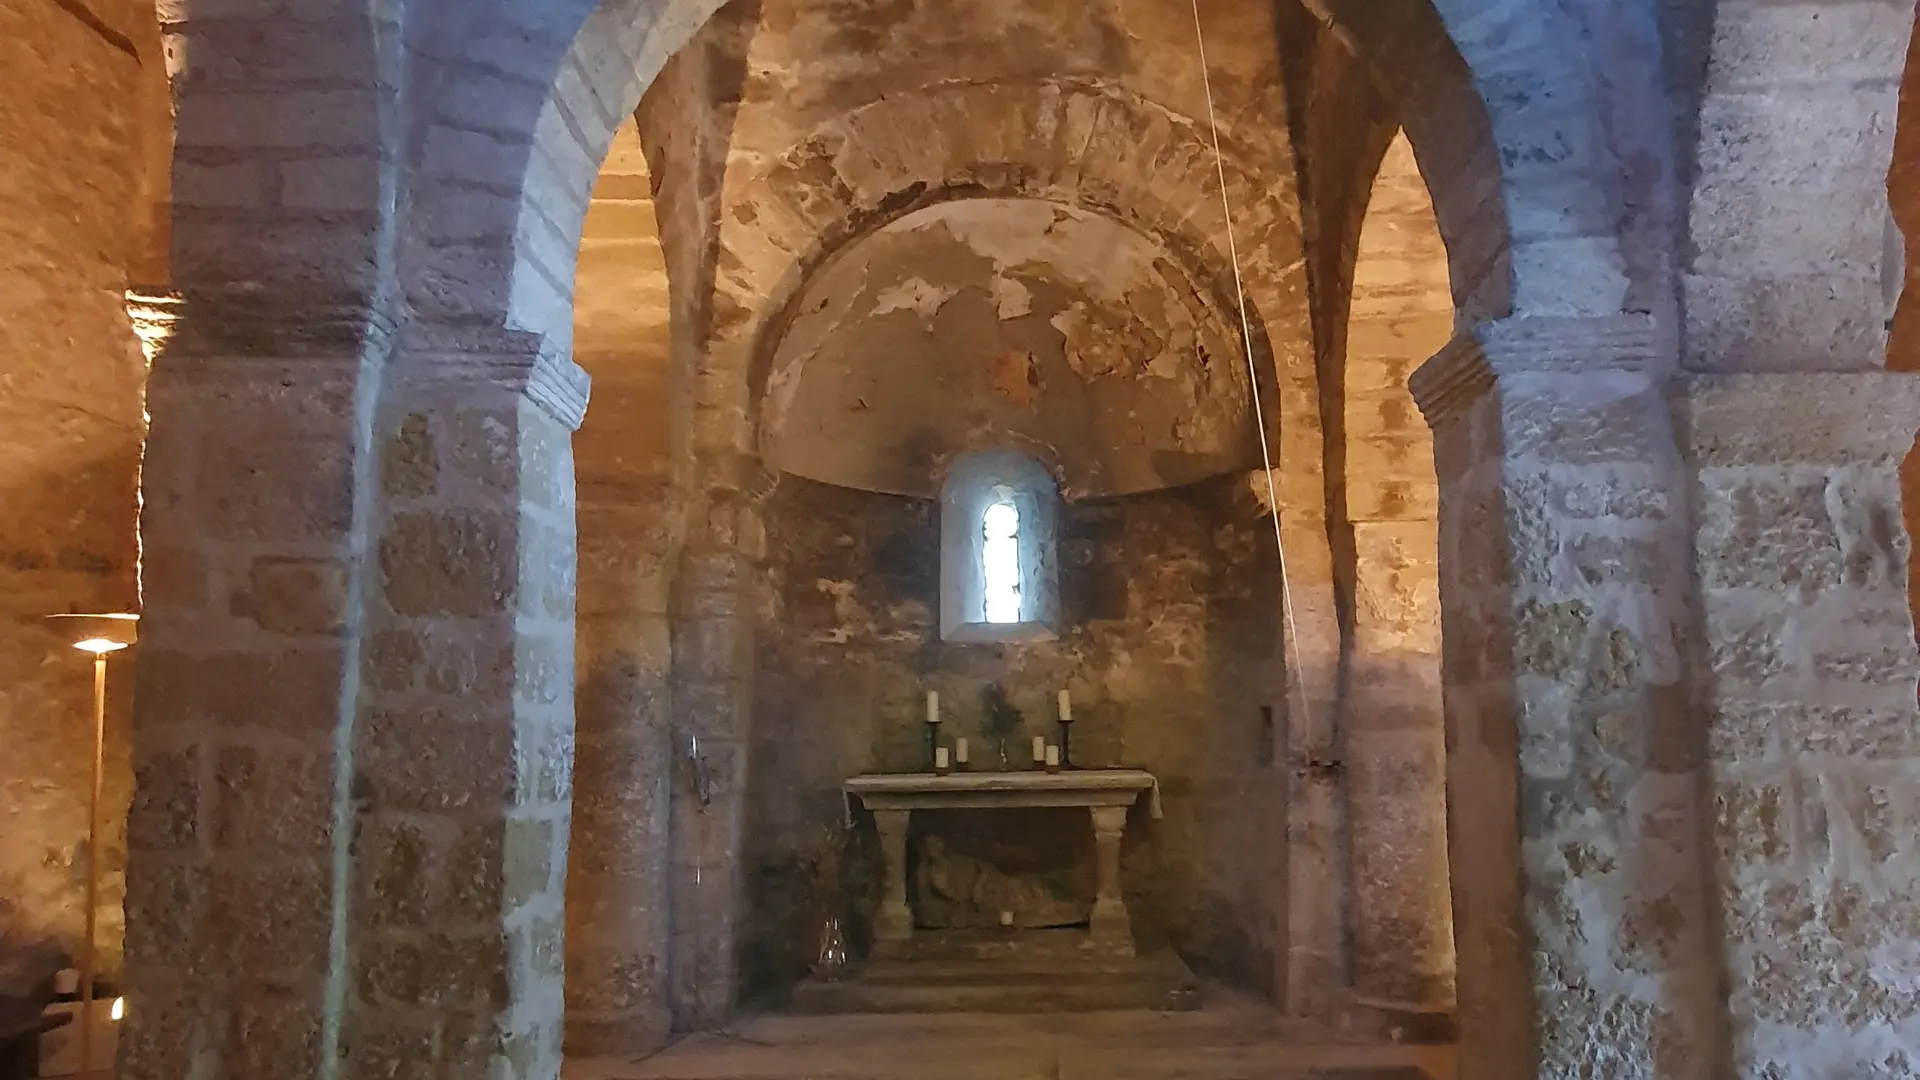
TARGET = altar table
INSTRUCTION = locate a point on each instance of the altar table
(1106, 794)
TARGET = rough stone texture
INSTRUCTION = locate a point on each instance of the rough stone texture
(269, 516)
(1168, 627)
(463, 743)
(999, 322)
(617, 898)
(1791, 263)
(1401, 314)
(256, 460)
(1811, 716)
(76, 223)
(1579, 909)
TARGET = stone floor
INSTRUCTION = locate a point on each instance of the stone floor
(1225, 1041)
(1035, 971)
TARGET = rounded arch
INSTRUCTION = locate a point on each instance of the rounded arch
(1091, 148)
(1069, 144)
(1500, 100)
(1517, 139)
(522, 101)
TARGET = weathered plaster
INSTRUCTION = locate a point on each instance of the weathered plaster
(1117, 372)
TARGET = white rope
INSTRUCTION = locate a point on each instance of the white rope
(1296, 663)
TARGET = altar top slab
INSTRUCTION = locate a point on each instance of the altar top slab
(989, 790)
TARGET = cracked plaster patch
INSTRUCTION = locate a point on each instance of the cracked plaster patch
(915, 295)
(1011, 298)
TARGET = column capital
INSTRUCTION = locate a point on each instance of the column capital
(441, 356)
(216, 324)
(1477, 358)
(1797, 418)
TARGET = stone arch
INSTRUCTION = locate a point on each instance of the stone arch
(1401, 313)
(1515, 137)
(524, 102)
(617, 918)
(1525, 145)
(1093, 148)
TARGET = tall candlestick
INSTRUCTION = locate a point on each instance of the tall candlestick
(933, 706)
(1066, 708)
(1039, 749)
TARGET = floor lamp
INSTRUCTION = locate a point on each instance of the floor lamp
(100, 636)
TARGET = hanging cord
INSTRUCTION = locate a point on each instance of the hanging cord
(1253, 375)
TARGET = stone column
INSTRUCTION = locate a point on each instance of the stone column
(1572, 769)
(712, 696)
(464, 744)
(894, 923)
(256, 487)
(1395, 752)
(1111, 927)
(1814, 734)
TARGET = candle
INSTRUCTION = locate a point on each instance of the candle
(933, 706)
(1039, 749)
(1066, 708)
(940, 757)
(1006, 918)
(960, 751)
(1053, 757)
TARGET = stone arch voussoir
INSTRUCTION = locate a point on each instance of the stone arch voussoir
(1078, 144)
(524, 100)
(1506, 114)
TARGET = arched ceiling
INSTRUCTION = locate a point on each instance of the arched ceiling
(894, 176)
(1008, 322)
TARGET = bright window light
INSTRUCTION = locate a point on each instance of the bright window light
(1000, 562)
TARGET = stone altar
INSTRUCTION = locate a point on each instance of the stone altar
(1105, 793)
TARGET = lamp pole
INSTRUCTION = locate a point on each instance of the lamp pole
(109, 634)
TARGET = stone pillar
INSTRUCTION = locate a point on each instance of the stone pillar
(894, 922)
(255, 487)
(1572, 769)
(1111, 927)
(464, 744)
(712, 696)
(1813, 730)
(1395, 752)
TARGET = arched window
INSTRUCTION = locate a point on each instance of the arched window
(998, 513)
(1000, 561)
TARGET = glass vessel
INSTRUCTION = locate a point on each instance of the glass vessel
(830, 964)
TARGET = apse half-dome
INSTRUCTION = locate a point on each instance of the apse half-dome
(1008, 323)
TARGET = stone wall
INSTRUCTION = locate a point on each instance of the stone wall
(77, 220)
(1168, 645)
(617, 904)
(1401, 313)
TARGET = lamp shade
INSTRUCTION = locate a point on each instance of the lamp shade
(98, 634)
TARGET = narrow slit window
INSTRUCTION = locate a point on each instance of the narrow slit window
(1000, 562)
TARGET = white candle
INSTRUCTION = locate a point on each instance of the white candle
(1039, 748)
(933, 706)
(1006, 918)
(939, 757)
(960, 751)
(1053, 756)
(1066, 708)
